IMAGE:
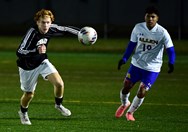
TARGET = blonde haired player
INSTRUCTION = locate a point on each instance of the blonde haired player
(33, 61)
(149, 38)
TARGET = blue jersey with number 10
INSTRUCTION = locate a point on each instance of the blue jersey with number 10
(150, 45)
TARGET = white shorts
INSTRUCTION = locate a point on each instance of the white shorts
(28, 78)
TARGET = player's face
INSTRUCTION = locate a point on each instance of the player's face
(44, 24)
(151, 20)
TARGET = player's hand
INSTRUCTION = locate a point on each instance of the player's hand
(42, 49)
(120, 63)
(171, 68)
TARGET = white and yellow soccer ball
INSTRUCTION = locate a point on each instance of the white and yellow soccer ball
(87, 36)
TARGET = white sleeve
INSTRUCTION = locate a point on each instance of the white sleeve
(134, 35)
(167, 40)
(66, 29)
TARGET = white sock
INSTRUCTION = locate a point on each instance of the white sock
(135, 104)
(124, 98)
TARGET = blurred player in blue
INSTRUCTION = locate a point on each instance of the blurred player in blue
(33, 61)
(149, 40)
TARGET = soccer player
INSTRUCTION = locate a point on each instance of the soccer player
(33, 61)
(149, 38)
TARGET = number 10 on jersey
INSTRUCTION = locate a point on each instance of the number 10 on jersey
(146, 47)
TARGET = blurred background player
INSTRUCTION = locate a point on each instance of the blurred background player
(33, 61)
(149, 38)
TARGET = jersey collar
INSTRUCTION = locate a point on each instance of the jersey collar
(153, 29)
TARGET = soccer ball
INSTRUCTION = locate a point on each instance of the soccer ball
(87, 36)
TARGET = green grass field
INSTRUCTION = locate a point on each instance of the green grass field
(92, 85)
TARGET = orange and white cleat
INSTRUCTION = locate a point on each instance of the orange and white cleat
(120, 111)
(130, 116)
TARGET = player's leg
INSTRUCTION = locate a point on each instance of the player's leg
(124, 97)
(58, 84)
(49, 72)
(26, 99)
(28, 80)
(146, 83)
(24, 104)
(131, 78)
(125, 92)
(137, 101)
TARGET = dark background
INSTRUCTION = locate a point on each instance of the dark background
(111, 18)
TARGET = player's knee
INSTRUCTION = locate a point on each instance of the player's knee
(29, 95)
(142, 90)
(59, 85)
(128, 84)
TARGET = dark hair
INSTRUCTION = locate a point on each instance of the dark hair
(152, 9)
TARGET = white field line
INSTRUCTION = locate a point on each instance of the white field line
(91, 102)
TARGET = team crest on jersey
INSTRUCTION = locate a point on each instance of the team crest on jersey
(42, 41)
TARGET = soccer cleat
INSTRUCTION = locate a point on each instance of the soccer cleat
(129, 116)
(120, 111)
(64, 111)
(24, 118)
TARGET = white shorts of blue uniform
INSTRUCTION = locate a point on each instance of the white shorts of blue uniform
(28, 78)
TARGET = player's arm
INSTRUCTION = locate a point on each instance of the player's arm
(23, 50)
(72, 30)
(129, 50)
(171, 57)
(170, 51)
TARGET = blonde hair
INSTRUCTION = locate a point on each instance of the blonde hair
(42, 13)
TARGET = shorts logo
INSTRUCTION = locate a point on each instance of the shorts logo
(128, 75)
(149, 84)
